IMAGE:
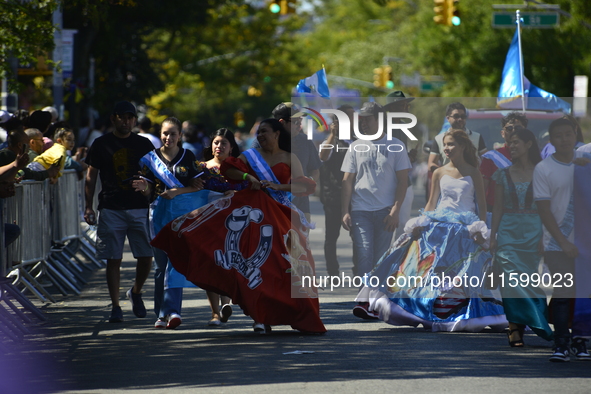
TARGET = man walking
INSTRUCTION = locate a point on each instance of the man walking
(122, 211)
(374, 186)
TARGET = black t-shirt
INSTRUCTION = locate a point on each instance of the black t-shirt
(117, 160)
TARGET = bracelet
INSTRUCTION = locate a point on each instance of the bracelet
(146, 189)
(244, 176)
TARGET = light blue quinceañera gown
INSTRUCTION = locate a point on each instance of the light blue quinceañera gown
(413, 282)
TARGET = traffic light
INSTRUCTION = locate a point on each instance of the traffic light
(455, 13)
(282, 7)
(388, 78)
(275, 6)
(446, 12)
(441, 12)
(382, 77)
(239, 118)
(378, 77)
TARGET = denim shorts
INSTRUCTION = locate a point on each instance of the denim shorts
(115, 225)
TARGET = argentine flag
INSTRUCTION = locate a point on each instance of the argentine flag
(317, 84)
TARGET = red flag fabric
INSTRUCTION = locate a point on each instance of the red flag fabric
(244, 246)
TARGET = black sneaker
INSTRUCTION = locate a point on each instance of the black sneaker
(579, 349)
(560, 354)
(139, 310)
(116, 315)
(225, 313)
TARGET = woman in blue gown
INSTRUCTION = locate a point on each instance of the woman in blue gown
(516, 232)
(435, 273)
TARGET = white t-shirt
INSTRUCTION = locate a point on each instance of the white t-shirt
(375, 164)
(553, 180)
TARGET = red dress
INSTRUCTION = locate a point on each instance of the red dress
(245, 246)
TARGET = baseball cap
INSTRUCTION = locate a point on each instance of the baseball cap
(370, 108)
(287, 110)
(124, 107)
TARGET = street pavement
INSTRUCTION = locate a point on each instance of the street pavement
(78, 351)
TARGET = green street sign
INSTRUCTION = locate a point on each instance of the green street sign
(532, 20)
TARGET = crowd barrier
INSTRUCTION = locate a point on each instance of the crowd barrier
(46, 254)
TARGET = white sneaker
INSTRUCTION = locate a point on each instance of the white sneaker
(160, 323)
(258, 327)
(174, 320)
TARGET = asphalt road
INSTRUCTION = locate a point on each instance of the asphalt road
(78, 351)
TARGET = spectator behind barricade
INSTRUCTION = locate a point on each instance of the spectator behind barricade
(75, 160)
(53, 112)
(99, 129)
(56, 155)
(191, 140)
(35, 143)
(4, 117)
(39, 120)
(144, 130)
(18, 147)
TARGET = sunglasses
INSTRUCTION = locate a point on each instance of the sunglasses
(458, 116)
(511, 128)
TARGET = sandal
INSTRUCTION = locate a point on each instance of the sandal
(518, 342)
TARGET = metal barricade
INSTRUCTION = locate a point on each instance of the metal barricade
(13, 318)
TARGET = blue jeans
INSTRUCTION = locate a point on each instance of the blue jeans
(165, 301)
(370, 239)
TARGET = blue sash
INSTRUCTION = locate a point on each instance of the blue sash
(498, 158)
(163, 211)
(264, 172)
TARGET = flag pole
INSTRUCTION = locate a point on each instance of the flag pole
(518, 20)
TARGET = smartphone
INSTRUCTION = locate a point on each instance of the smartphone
(25, 148)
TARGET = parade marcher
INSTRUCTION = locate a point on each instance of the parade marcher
(515, 239)
(331, 154)
(441, 246)
(398, 102)
(553, 193)
(115, 157)
(291, 118)
(263, 275)
(456, 116)
(374, 186)
(500, 158)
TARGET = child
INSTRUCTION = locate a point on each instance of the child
(56, 155)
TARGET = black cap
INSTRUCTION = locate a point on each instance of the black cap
(39, 120)
(370, 108)
(394, 99)
(124, 107)
(287, 110)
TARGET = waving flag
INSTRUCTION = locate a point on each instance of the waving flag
(244, 246)
(317, 84)
(515, 85)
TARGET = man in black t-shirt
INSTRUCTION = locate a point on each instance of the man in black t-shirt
(122, 211)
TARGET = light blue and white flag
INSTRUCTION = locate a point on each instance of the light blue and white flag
(316, 84)
(515, 86)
